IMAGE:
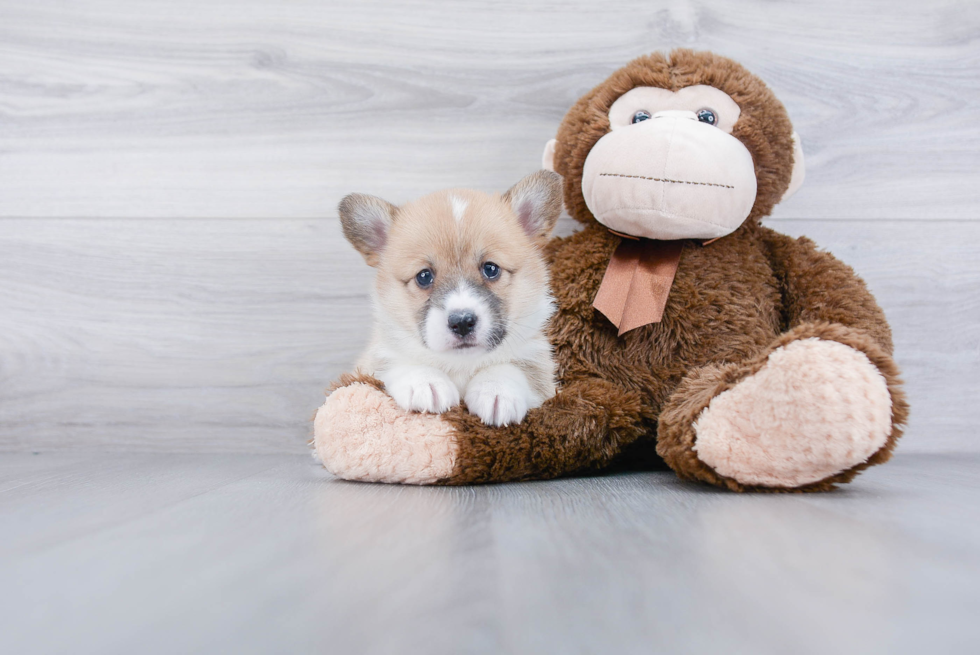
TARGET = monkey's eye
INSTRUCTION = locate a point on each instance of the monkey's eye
(424, 278)
(491, 271)
(707, 116)
(641, 115)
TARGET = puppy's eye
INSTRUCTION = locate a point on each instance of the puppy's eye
(424, 278)
(707, 116)
(491, 271)
(641, 115)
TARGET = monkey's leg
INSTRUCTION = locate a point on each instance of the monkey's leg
(822, 403)
(360, 434)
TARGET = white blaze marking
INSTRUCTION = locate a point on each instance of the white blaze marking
(459, 207)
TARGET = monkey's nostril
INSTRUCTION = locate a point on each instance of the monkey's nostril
(462, 323)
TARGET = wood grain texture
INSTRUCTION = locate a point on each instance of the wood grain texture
(258, 108)
(208, 335)
(167, 553)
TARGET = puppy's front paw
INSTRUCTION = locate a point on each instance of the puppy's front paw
(499, 395)
(421, 389)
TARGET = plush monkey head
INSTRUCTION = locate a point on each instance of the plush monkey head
(678, 146)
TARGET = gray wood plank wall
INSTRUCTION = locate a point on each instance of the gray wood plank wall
(172, 275)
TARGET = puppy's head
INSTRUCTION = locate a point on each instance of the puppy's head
(459, 271)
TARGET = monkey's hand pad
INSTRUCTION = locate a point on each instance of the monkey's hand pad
(808, 410)
(360, 433)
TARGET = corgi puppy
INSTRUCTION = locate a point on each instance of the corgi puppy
(461, 297)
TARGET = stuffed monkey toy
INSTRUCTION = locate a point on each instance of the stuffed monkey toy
(686, 333)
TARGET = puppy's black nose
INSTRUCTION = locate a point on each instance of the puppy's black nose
(462, 323)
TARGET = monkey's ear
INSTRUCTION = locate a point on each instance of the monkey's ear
(536, 200)
(548, 158)
(799, 168)
(366, 221)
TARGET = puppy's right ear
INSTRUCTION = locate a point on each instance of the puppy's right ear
(366, 221)
(537, 201)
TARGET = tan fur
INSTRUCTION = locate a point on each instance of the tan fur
(425, 234)
(503, 365)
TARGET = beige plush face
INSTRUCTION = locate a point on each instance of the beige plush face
(669, 168)
(458, 270)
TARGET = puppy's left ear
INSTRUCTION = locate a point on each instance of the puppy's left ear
(536, 200)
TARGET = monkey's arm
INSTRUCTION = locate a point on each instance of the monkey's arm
(361, 434)
(817, 287)
(822, 402)
(584, 426)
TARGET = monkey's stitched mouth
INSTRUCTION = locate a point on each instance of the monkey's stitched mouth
(664, 179)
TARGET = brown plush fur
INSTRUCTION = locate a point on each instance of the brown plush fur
(730, 306)
(732, 303)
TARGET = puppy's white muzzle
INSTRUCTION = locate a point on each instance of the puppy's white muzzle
(463, 322)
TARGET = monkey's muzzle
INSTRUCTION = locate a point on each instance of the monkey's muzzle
(670, 177)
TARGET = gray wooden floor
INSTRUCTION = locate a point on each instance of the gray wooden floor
(175, 295)
(193, 553)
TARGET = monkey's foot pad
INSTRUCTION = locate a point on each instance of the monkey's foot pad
(816, 408)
